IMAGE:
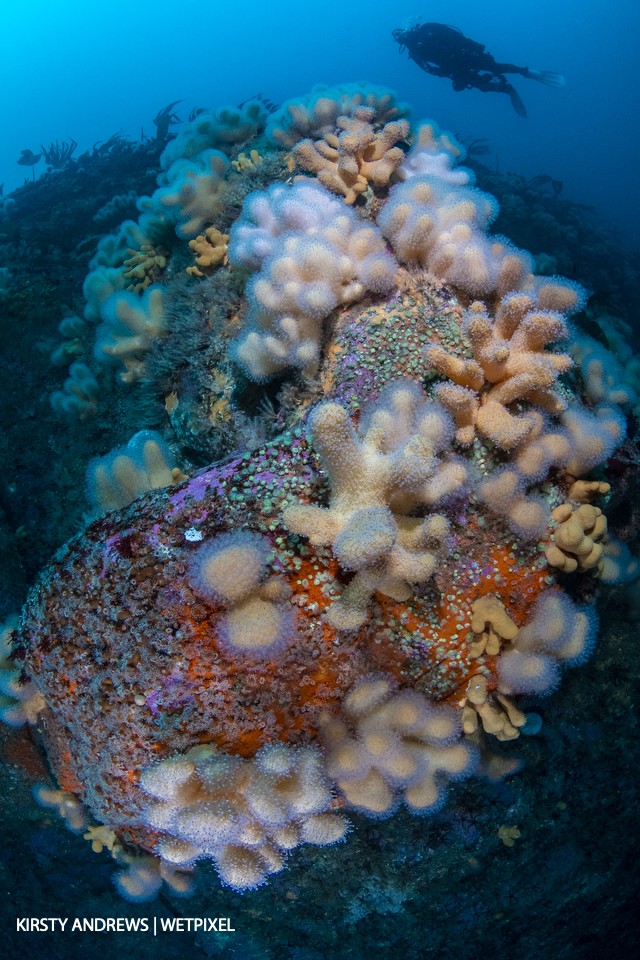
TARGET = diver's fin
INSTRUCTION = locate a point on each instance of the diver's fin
(517, 104)
(547, 77)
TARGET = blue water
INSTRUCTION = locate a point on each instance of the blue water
(69, 69)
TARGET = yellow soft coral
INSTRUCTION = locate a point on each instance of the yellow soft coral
(508, 835)
(497, 714)
(579, 539)
(144, 266)
(583, 491)
(348, 161)
(247, 164)
(491, 624)
(210, 249)
(509, 365)
(100, 837)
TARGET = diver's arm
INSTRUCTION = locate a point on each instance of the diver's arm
(435, 69)
(428, 65)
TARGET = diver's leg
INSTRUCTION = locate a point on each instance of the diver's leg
(510, 68)
(547, 77)
(489, 84)
(516, 102)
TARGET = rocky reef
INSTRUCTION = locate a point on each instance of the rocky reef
(357, 541)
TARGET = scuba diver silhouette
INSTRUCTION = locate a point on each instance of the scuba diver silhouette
(444, 51)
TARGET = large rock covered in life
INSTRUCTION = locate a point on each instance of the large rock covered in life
(134, 652)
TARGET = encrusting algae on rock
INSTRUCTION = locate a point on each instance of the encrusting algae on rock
(341, 617)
